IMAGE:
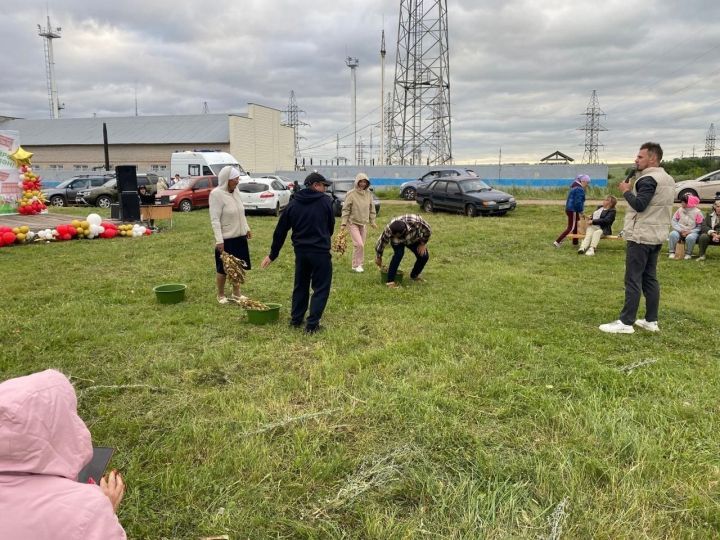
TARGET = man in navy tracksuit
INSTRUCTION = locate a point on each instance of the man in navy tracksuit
(311, 218)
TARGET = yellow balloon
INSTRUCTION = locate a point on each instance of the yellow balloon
(21, 156)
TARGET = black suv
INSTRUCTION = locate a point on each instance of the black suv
(107, 194)
(66, 192)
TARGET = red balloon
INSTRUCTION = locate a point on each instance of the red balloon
(8, 237)
(148, 232)
(5, 229)
(72, 230)
(66, 236)
(61, 229)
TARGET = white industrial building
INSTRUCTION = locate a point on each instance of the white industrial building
(69, 146)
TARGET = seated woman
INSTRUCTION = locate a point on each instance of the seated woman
(686, 225)
(43, 446)
(709, 230)
(602, 220)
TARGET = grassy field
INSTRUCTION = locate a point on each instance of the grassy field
(484, 403)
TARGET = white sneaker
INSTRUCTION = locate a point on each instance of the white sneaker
(581, 251)
(617, 327)
(358, 269)
(650, 326)
(701, 258)
(590, 252)
(688, 257)
(671, 255)
(557, 244)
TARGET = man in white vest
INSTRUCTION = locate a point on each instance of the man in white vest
(646, 227)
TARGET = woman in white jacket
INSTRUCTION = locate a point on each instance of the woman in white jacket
(231, 229)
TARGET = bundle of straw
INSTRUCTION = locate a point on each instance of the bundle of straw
(234, 268)
(340, 242)
(253, 304)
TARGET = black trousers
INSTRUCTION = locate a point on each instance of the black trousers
(641, 276)
(399, 253)
(312, 269)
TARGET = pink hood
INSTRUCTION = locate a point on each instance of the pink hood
(43, 446)
(40, 430)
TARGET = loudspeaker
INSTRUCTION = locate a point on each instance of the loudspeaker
(115, 211)
(126, 178)
(129, 206)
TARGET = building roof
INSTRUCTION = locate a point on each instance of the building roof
(557, 157)
(186, 129)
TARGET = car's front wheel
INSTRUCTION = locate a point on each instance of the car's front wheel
(409, 193)
(185, 205)
(57, 200)
(470, 210)
(103, 201)
(428, 206)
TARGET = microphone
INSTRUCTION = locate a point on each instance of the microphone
(631, 174)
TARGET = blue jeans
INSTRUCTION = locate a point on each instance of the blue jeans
(399, 253)
(690, 240)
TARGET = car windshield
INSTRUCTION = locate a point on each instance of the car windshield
(185, 183)
(110, 183)
(217, 167)
(343, 185)
(252, 187)
(469, 186)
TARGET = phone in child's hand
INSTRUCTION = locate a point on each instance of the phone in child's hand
(96, 468)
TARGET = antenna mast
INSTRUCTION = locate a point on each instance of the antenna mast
(592, 129)
(292, 115)
(48, 34)
(353, 63)
(421, 94)
(710, 142)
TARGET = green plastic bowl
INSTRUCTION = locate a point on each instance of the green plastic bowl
(171, 293)
(264, 316)
(398, 276)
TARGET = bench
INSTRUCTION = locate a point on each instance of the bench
(581, 236)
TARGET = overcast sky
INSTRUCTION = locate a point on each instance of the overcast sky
(521, 71)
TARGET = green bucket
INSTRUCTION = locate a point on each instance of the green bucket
(171, 293)
(384, 276)
(264, 316)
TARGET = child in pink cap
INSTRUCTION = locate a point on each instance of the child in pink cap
(686, 224)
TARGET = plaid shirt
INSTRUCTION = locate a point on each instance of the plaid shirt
(418, 231)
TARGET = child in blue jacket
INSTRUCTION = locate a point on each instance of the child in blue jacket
(574, 206)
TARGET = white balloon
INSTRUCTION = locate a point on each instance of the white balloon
(94, 219)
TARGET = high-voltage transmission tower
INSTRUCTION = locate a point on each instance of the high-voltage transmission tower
(592, 128)
(710, 142)
(292, 119)
(421, 93)
(48, 34)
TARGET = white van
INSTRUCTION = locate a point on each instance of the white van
(190, 163)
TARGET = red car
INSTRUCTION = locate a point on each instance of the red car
(189, 193)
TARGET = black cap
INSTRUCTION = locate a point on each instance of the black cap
(315, 177)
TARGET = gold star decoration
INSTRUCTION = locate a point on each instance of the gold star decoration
(21, 157)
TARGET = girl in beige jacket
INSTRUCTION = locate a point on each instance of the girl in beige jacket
(359, 211)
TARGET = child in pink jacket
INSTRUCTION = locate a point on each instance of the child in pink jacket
(43, 446)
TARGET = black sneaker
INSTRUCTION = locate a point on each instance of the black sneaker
(295, 325)
(313, 329)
